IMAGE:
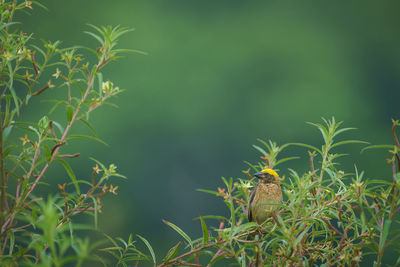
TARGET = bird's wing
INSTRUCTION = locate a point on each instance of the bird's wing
(253, 193)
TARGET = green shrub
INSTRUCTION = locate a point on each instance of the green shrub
(329, 217)
(39, 230)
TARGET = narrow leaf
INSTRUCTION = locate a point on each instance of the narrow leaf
(11, 88)
(100, 81)
(265, 144)
(71, 174)
(205, 231)
(179, 230)
(153, 256)
(6, 132)
(222, 218)
(207, 191)
(349, 142)
(87, 137)
(305, 145)
(285, 159)
(69, 112)
(377, 146)
(89, 126)
(172, 252)
(98, 38)
(386, 228)
(300, 237)
(343, 130)
(7, 24)
(12, 242)
(262, 151)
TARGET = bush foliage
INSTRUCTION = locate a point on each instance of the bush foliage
(329, 216)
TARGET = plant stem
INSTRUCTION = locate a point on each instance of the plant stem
(191, 252)
(67, 129)
(3, 182)
(91, 79)
(327, 148)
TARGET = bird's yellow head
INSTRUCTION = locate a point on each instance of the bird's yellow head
(267, 175)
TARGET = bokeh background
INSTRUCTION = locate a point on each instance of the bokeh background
(219, 75)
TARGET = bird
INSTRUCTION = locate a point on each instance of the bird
(267, 190)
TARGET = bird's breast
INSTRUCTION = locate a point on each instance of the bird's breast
(266, 193)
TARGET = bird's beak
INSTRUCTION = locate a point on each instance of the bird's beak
(259, 175)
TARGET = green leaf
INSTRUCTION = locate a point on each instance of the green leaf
(215, 259)
(130, 239)
(322, 129)
(96, 28)
(306, 145)
(300, 237)
(265, 144)
(43, 123)
(377, 146)
(6, 132)
(172, 252)
(12, 241)
(205, 231)
(349, 142)
(243, 228)
(71, 175)
(131, 51)
(254, 168)
(98, 162)
(55, 106)
(243, 258)
(39, 50)
(386, 228)
(222, 218)
(133, 258)
(122, 241)
(7, 24)
(69, 113)
(59, 127)
(397, 177)
(111, 240)
(7, 150)
(96, 215)
(343, 130)
(72, 136)
(100, 81)
(150, 249)
(98, 38)
(207, 191)
(285, 159)
(11, 88)
(179, 230)
(363, 223)
(262, 151)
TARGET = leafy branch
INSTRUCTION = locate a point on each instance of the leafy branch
(329, 216)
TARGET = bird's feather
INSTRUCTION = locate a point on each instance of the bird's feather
(249, 214)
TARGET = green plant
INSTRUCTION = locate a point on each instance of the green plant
(329, 217)
(39, 230)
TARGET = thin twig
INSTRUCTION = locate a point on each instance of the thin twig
(177, 259)
(395, 136)
(332, 227)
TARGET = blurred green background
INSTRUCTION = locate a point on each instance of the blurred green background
(219, 75)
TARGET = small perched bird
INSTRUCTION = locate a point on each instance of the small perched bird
(266, 191)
